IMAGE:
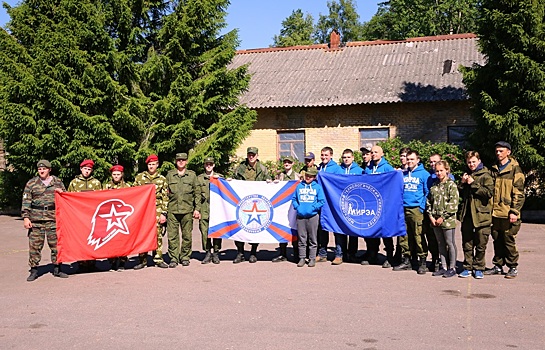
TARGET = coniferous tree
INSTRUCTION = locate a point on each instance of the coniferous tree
(508, 92)
(297, 29)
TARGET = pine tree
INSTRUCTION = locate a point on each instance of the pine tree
(508, 92)
(297, 29)
(343, 17)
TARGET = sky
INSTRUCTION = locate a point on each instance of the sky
(258, 21)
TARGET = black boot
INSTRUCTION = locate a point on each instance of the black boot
(422, 267)
(58, 273)
(389, 260)
(33, 274)
(283, 253)
(207, 258)
(405, 265)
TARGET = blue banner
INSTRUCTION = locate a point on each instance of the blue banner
(363, 205)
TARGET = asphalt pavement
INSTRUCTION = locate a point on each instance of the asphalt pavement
(268, 305)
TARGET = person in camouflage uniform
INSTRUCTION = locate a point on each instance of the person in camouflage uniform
(250, 169)
(203, 181)
(309, 164)
(184, 205)
(152, 176)
(442, 205)
(287, 175)
(38, 212)
(115, 183)
(81, 183)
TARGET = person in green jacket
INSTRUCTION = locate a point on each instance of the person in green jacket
(211, 246)
(475, 213)
(508, 200)
(184, 205)
(250, 169)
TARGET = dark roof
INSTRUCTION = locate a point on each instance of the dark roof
(412, 70)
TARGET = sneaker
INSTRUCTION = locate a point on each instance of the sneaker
(207, 258)
(253, 259)
(239, 258)
(215, 258)
(121, 266)
(365, 262)
(279, 258)
(449, 273)
(337, 261)
(139, 266)
(162, 265)
(185, 262)
(301, 263)
(439, 272)
(173, 264)
(496, 270)
(478, 274)
(512, 273)
(386, 265)
(321, 259)
(312, 263)
(464, 274)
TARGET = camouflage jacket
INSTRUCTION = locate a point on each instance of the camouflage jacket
(160, 182)
(203, 182)
(80, 184)
(184, 194)
(285, 177)
(508, 190)
(37, 197)
(443, 202)
(110, 185)
(243, 169)
(476, 198)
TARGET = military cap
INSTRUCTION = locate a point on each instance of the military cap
(152, 158)
(503, 144)
(89, 163)
(288, 158)
(309, 155)
(209, 160)
(253, 150)
(43, 164)
(117, 167)
(312, 172)
(181, 156)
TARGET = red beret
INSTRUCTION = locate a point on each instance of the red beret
(87, 163)
(152, 158)
(116, 167)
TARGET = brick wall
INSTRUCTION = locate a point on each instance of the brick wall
(338, 127)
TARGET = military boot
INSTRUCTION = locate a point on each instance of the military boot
(33, 274)
(422, 267)
(215, 258)
(58, 273)
(283, 253)
(207, 258)
(405, 265)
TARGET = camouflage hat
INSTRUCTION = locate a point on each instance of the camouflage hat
(181, 156)
(288, 158)
(312, 172)
(43, 164)
(253, 150)
(209, 160)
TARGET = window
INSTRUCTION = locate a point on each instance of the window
(291, 143)
(459, 135)
(370, 137)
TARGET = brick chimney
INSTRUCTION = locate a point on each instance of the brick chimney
(334, 39)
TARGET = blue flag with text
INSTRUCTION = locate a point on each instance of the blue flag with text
(363, 205)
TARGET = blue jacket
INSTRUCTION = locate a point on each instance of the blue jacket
(308, 199)
(354, 169)
(416, 187)
(331, 167)
(382, 167)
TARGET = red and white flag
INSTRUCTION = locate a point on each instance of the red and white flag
(105, 224)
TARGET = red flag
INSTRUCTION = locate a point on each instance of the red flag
(105, 224)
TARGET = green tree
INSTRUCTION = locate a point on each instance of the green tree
(508, 92)
(115, 80)
(343, 17)
(401, 19)
(297, 29)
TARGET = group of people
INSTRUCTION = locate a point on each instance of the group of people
(484, 201)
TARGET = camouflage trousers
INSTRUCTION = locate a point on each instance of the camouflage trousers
(36, 239)
(158, 253)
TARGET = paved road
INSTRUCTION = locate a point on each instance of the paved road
(269, 306)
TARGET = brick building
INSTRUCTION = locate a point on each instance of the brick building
(308, 97)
